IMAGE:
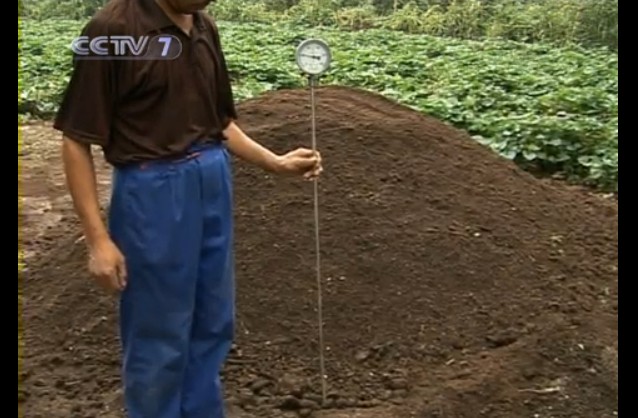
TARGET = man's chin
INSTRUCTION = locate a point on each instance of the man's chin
(201, 6)
(196, 7)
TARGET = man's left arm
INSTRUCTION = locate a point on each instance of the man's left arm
(301, 161)
(244, 147)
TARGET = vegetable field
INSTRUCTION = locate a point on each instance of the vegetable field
(548, 108)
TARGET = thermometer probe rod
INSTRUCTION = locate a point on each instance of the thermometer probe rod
(312, 80)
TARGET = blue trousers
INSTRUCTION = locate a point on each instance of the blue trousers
(173, 223)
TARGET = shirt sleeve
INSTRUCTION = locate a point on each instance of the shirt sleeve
(225, 99)
(87, 107)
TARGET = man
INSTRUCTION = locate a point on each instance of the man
(167, 127)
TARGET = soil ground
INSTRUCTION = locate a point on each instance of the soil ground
(456, 285)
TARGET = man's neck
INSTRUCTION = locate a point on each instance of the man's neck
(168, 9)
(184, 21)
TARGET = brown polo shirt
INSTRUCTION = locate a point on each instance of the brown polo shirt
(145, 109)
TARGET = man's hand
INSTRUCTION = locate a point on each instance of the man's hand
(301, 161)
(107, 265)
(106, 262)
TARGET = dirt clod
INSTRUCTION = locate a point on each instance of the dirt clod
(502, 338)
(258, 385)
(476, 303)
(396, 384)
(308, 404)
(290, 403)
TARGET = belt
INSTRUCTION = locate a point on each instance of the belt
(194, 151)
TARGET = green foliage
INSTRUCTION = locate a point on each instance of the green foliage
(68, 9)
(585, 22)
(554, 108)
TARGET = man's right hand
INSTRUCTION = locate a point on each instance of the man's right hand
(107, 265)
(106, 262)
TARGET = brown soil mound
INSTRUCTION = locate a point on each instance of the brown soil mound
(456, 285)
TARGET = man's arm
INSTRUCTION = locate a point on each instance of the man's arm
(81, 182)
(106, 262)
(248, 150)
(84, 119)
(301, 161)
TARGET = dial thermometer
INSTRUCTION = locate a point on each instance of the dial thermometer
(313, 58)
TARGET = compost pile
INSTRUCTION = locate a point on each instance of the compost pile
(456, 285)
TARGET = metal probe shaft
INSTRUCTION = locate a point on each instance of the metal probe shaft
(318, 247)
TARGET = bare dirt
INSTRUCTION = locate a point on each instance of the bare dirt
(456, 285)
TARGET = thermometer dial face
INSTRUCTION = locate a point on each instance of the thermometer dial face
(313, 56)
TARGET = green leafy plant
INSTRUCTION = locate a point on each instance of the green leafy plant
(553, 108)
